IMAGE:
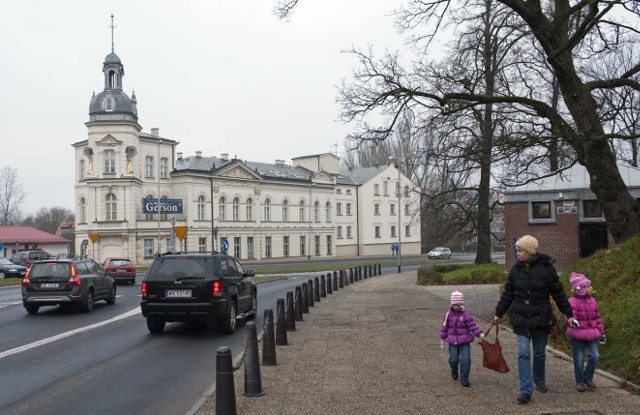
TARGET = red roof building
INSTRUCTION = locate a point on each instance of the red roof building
(19, 238)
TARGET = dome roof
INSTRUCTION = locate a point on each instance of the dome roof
(112, 104)
(112, 58)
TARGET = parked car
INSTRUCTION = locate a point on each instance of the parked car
(66, 281)
(207, 288)
(439, 252)
(26, 258)
(120, 269)
(10, 270)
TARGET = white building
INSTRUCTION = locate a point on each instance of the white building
(262, 210)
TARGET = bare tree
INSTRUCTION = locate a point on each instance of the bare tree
(11, 196)
(49, 219)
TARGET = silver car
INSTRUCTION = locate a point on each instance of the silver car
(439, 252)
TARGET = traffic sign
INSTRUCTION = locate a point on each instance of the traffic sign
(94, 237)
(225, 245)
(1, 246)
(180, 231)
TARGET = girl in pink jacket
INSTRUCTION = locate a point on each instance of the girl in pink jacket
(586, 333)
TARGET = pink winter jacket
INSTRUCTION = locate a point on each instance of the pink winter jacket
(585, 310)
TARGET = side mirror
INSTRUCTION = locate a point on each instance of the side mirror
(250, 273)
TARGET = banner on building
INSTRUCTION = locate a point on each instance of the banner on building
(166, 207)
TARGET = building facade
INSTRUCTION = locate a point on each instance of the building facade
(134, 190)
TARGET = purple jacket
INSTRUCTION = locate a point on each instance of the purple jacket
(459, 327)
(585, 310)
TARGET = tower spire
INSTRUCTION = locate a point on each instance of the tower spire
(112, 28)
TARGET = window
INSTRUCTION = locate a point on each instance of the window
(168, 243)
(348, 191)
(83, 210)
(303, 246)
(249, 210)
(339, 232)
(407, 230)
(392, 209)
(201, 206)
(377, 231)
(348, 209)
(250, 251)
(591, 209)
(222, 208)
(349, 232)
(542, 211)
(148, 166)
(164, 167)
(149, 216)
(406, 191)
(236, 247)
(285, 246)
(338, 191)
(285, 210)
(393, 231)
(301, 210)
(406, 209)
(267, 210)
(338, 209)
(202, 244)
(148, 248)
(327, 212)
(109, 161)
(376, 189)
(376, 209)
(108, 103)
(317, 243)
(81, 171)
(329, 245)
(385, 188)
(316, 212)
(111, 207)
(397, 189)
(267, 247)
(235, 210)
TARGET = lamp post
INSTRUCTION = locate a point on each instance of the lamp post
(213, 230)
(399, 216)
(310, 221)
(158, 211)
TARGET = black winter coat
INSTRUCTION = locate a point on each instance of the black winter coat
(527, 291)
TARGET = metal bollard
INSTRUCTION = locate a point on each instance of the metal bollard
(329, 284)
(252, 381)
(298, 304)
(335, 281)
(304, 294)
(351, 276)
(375, 270)
(370, 273)
(323, 286)
(345, 277)
(359, 272)
(268, 340)
(281, 326)
(366, 272)
(225, 389)
(310, 293)
(291, 316)
(379, 269)
(340, 279)
(316, 290)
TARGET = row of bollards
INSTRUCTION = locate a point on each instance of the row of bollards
(287, 313)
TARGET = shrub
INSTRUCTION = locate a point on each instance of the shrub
(427, 275)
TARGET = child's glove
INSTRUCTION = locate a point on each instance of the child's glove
(442, 344)
(602, 339)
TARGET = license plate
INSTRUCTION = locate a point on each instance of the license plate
(122, 270)
(177, 293)
(49, 285)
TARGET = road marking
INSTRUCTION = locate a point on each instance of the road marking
(61, 336)
(2, 305)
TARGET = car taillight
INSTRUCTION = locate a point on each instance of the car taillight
(216, 289)
(74, 280)
(26, 281)
(143, 287)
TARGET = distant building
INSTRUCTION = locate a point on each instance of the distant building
(562, 212)
(22, 238)
(133, 189)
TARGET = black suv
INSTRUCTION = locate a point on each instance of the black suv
(209, 288)
(26, 258)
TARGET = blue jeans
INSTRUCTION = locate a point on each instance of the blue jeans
(582, 372)
(460, 354)
(524, 362)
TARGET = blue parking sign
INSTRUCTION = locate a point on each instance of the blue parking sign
(225, 245)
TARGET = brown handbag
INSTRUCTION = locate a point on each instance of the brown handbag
(492, 354)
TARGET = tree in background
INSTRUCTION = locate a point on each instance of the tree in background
(11, 197)
(48, 219)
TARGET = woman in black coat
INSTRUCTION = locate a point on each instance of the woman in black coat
(532, 280)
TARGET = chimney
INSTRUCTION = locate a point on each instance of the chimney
(179, 153)
(279, 162)
(198, 154)
(155, 132)
(224, 156)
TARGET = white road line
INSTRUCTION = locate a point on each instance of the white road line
(61, 336)
(2, 305)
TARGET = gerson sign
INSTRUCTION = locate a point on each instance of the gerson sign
(167, 206)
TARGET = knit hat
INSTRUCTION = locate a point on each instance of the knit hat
(579, 283)
(457, 298)
(528, 244)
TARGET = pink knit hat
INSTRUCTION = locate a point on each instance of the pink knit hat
(579, 283)
(457, 298)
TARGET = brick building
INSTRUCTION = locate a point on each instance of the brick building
(562, 213)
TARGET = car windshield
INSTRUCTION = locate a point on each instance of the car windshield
(5, 261)
(50, 269)
(119, 263)
(180, 267)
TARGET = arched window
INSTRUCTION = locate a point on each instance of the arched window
(301, 211)
(201, 206)
(267, 210)
(236, 209)
(111, 207)
(285, 210)
(327, 212)
(222, 208)
(149, 216)
(316, 212)
(83, 210)
(249, 209)
(109, 161)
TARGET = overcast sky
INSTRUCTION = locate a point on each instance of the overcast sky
(219, 76)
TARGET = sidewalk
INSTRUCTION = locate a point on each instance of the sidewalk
(373, 348)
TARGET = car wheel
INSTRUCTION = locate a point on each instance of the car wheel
(111, 299)
(228, 323)
(155, 325)
(32, 308)
(2, 274)
(87, 306)
(254, 307)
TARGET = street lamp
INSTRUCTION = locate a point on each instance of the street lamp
(158, 211)
(396, 163)
(310, 221)
(213, 228)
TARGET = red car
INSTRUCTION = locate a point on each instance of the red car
(120, 269)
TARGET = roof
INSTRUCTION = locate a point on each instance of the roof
(266, 170)
(68, 226)
(359, 176)
(28, 234)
